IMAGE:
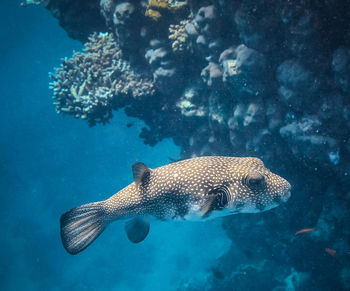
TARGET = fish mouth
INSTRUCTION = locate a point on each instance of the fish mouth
(286, 195)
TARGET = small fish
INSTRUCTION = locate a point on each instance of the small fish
(331, 252)
(305, 230)
(198, 188)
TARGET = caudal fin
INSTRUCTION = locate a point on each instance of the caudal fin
(80, 226)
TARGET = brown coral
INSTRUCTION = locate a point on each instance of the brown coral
(156, 7)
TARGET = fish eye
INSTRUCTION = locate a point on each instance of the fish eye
(255, 180)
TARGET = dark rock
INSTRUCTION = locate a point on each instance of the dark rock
(309, 145)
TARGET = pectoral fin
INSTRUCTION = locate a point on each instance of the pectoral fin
(217, 199)
(137, 229)
(207, 207)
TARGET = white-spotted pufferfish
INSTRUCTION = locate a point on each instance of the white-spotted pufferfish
(203, 187)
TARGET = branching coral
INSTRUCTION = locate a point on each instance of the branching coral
(92, 83)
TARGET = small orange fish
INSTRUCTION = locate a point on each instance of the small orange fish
(331, 252)
(304, 231)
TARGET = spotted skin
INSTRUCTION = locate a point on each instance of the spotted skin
(182, 189)
(198, 188)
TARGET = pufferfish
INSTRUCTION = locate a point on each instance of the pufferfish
(198, 188)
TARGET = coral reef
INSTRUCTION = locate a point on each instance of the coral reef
(205, 31)
(155, 8)
(160, 58)
(263, 78)
(92, 83)
(179, 37)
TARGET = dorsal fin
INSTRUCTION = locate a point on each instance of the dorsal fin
(141, 173)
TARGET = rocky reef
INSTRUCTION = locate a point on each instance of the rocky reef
(256, 78)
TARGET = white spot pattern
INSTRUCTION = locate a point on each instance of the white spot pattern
(176, 190)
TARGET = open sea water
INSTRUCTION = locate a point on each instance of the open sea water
(51, 163)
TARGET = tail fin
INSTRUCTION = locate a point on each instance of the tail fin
(80, 226)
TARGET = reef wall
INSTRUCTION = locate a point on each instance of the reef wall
(263, 78)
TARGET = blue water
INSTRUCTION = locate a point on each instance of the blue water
(51, 163)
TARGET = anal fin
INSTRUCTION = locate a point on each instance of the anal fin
(137, 229)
